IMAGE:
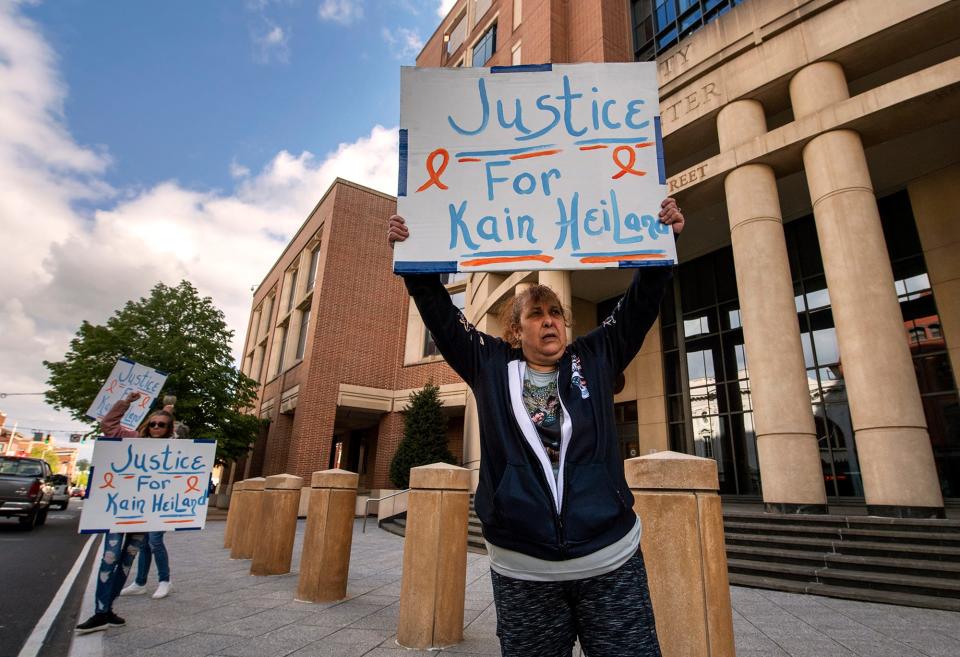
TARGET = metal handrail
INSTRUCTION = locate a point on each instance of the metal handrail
(366, 505)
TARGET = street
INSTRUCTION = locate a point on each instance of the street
(33, 566)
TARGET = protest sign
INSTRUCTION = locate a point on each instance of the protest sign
(531, 167)
(128, 376)
(147, 485)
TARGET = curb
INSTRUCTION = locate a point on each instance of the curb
(88, 645)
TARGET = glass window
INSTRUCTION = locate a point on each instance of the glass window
(481, 8)
(292, 291)
(312, 271)
(486, 46)
(281, 345)
(457, 34)
(302, 338)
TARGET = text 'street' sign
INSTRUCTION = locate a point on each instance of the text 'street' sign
(128, 376)
(531, 167)
(147, 485)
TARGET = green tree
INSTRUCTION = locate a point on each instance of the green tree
(177, 331)
(48, 455)
(83, 465)
(424, 436)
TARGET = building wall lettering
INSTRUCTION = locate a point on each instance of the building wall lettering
(690, 101)
(672, 64)
(687, 178)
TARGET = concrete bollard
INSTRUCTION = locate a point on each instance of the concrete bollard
(273, 550)
(676, 497)
(231, 529)
(248, 519)
(433, 583)
(325, 560)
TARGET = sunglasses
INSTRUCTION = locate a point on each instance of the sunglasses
(157, 425)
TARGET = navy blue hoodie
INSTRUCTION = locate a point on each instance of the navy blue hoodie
(515, 501)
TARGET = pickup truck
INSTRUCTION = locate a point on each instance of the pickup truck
(25, 490)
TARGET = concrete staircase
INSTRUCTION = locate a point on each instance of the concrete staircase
(889, 560)
(914, 563)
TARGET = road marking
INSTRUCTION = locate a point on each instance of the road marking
(35, 641)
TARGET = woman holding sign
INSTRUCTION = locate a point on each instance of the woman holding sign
(563, 539)
(119, 550)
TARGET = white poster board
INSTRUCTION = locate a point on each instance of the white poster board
(531, 167)
(128, 376)
(147, 485)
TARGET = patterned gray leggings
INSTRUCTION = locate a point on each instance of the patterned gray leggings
(611, 614)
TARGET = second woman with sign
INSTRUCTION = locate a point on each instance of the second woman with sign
(557, 515)
(119, 550)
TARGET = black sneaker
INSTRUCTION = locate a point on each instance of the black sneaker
(96, 623)
(115, 621)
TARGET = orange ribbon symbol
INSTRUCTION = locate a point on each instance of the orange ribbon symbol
(436, 173)
(192, 483)
(628, 167)
(143, 402)
(108, 480)
(113, 386)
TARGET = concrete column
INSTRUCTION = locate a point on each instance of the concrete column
(230, 530)
(325, 560)
(273, 550)
(433, 583)
(471, 440)
(935, 199)
(787, 447)
(896, 459)
(647, 369)
(676, 497)
(248, 520)
(225, 488)
(559, 282)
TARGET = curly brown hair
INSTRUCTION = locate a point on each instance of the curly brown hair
(511, 311)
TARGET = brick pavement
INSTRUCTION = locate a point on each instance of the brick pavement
(218, 609)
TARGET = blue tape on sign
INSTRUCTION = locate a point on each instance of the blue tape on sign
(187, 529)
(94, 531)
(161, 372)
(112, 439)
(522, 68)
(125, 360)
(402, 172)
(417, 267)
(633, 264)
(204, 440)
(86, 492)
(661, 165)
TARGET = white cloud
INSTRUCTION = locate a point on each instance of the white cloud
(344, 12)
(404, 44)
(237, 170)
(271, 44)
(444, 7)
(61, 266)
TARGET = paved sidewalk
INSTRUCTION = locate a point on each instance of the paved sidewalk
(218, 609)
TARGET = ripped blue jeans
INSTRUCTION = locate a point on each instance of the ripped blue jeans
(119, 551)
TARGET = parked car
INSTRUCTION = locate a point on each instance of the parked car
(61, 491)
(78, 491)
(25, 489)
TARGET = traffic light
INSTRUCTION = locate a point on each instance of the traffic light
(46, 440)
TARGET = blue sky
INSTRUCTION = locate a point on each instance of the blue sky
(180, 90)
(156, 141)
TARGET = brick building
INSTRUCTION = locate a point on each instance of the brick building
(811, 336)
(326, 340)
